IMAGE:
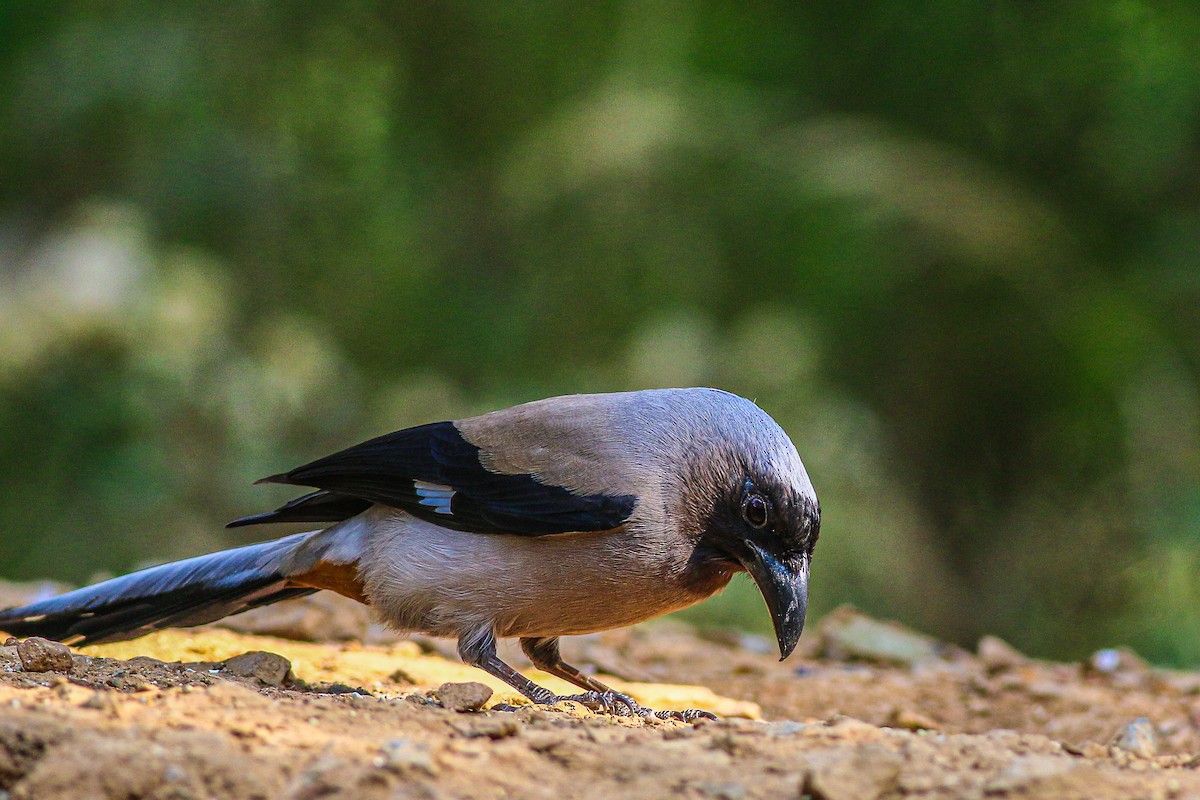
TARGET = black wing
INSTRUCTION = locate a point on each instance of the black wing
(434, 473)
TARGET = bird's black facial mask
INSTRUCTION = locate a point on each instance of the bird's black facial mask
(771, 535)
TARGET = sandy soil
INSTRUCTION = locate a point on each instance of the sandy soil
(868, 710)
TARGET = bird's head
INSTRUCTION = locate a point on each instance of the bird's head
(760, 514)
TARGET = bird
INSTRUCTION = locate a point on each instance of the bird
(558, 517)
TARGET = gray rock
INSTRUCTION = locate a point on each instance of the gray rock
(42, 655)
(269, 668)
(1138, 737)
(847, 634)
(463, 696)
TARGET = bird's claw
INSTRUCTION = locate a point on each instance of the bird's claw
(688, 715)
(622, 705)
(614, 703)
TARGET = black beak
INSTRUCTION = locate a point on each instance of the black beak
(784, 586)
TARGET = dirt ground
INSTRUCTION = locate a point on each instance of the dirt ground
(865, 710)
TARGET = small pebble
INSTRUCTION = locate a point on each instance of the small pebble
(42, 655)
(463, 696)
(269, 668)
(342, 688)
(1138, 737)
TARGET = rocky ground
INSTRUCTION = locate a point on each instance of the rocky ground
(866, 710)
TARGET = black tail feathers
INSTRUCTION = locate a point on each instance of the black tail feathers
(179, 594)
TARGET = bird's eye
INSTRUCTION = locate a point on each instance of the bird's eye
(755, 510)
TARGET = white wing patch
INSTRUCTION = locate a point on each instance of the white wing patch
(435, 495)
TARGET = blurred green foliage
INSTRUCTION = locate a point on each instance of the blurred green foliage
(953, 248)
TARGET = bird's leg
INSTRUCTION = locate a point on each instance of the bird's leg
(544, 653)
(478, 648)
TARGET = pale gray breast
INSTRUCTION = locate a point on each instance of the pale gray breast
(426, 578)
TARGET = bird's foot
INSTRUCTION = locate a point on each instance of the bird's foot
(622, 705)
(687, 715)
(613, 703)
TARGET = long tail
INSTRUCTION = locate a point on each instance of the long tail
(190, 592)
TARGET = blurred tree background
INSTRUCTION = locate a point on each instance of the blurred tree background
(953, 248)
